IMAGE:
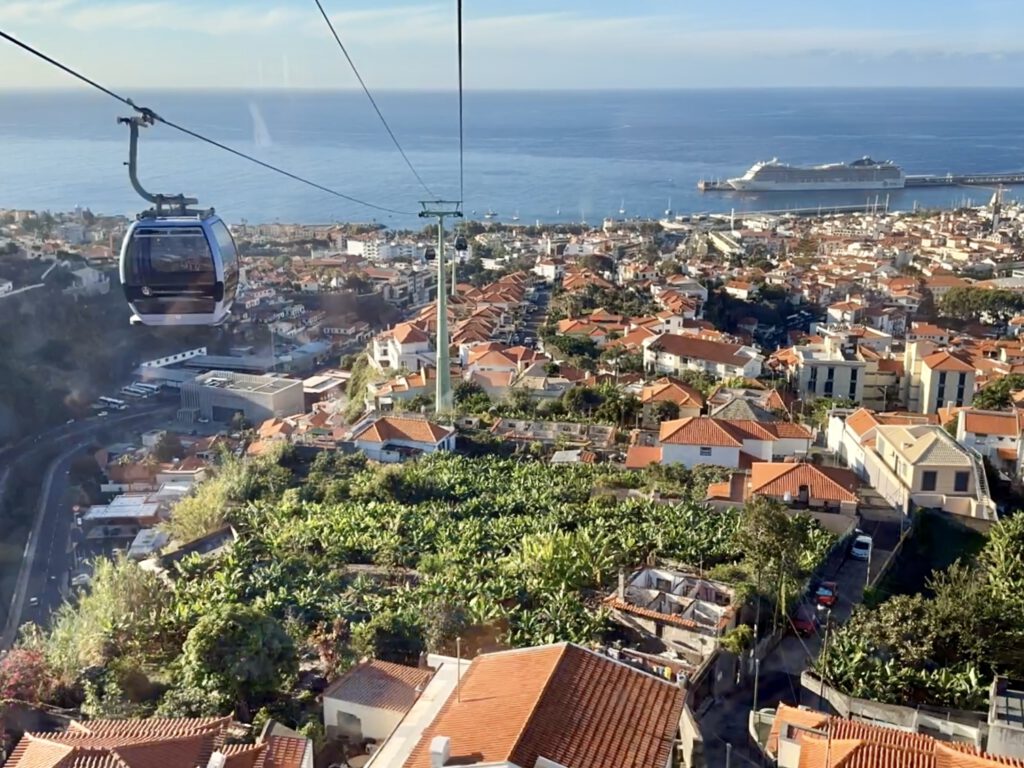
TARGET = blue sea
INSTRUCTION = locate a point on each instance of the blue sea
(545, 155)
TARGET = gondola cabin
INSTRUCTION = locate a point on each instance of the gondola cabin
(179, 270)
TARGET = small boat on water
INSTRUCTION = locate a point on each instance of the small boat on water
(490, 213)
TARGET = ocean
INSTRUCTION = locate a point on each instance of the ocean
(547, 156)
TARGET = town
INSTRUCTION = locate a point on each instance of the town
(712, 489)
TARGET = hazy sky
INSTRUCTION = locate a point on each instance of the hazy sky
(520, 43)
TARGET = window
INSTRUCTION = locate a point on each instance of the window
(705, 451)
(960, 482)
(829, 385)
(831, 373)
(928, 481)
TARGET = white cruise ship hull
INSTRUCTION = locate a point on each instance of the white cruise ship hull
(752, 185)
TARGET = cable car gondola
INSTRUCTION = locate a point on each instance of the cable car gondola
(430, 254)
(179, 266)
(460, 244)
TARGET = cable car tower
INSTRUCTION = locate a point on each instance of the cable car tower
(441, 210)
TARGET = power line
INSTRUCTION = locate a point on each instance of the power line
(212, 142)
(373, 101)
(462, 198)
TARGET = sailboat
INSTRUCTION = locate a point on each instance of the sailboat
(515, 216)
(622, 207)
(668, 211)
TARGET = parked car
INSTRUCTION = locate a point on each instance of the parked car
(827, 594)
(861, 547)
(804, 620)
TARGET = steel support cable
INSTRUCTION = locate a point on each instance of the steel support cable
(373, 102)
(188, 132)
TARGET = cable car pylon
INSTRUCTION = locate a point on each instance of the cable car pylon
(441, 210)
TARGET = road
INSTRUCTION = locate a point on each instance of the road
(779, 679)
(47, 561)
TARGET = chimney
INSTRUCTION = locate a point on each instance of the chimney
(440, 751)
(622, 585)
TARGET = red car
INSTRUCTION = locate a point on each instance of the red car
(827, 594)
(804, 620)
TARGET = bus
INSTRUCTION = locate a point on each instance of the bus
(152, 389)
(113, 402)
(131, 392)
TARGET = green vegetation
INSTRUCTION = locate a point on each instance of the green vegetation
(996, 395)
(969, 303)
(938, 542)
(943, 649)
(513, 551)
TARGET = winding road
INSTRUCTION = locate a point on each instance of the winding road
(47, 556)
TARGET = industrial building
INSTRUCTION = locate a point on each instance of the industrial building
(219, 395)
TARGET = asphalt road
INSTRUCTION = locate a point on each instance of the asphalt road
(47, 561)
(725, 722)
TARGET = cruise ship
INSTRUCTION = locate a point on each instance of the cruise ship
(860, 174)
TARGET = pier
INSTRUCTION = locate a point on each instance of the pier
(949, 180)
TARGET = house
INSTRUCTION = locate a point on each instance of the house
(372, 698)
(686, 613)
(993, 434)
(394, 438)
(936, 378)
(740, 289)
(673, 354)
(797, 484)
(804, 738)
(554, 432)
(553, 706)
(851, 432)
(923, 466)
(725, 443)
(188, 742)
(829, 369)
(668, 389)
(404, 346)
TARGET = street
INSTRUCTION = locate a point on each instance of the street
(44, 568)
(725, 721)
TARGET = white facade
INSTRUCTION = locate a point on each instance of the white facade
(692, 455)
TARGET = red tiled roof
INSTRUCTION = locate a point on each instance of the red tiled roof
(380, 684)
(823, 483)
(168, 743)
(700, 349)
(640, 456)
(698, 430)
(398, 428)
(565, 703)
(947, 361)
(989, 423)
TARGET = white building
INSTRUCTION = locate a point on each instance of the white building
(673, 354)
(404, 346)
(394, 438)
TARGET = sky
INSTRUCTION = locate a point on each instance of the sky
(523, 44)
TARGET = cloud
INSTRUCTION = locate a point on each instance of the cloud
(31, 11)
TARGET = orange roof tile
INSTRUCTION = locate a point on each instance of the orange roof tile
(947, 361)
(640, 456)
(565, 703)
(380, 684)
(697, 430)
(403, 428)
(1004, 424)
(823, 483)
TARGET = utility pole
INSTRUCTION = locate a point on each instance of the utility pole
(440, 210)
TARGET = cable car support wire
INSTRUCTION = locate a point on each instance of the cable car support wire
(373, 101)
(153, 117)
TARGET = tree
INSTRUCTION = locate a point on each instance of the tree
(390, 636)
(470, 397)
(665, 410)
(241, 652)
(997, 395)
(168, 447)
(772, 544)
(25, 675)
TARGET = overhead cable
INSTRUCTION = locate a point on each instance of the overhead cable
(373, 101)
(188, 132)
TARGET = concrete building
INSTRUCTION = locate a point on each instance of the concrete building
(219, 395)
(404, 346)
(372, 698)
(831, 369)
(923, 466)
(936, 378)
